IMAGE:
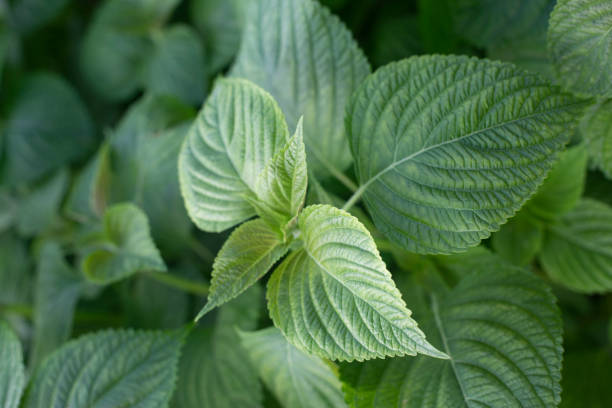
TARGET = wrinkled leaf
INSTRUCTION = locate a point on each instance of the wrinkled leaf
(12, 371)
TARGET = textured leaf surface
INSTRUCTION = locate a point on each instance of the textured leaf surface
(447, 148)
(215, 370)
(127, 247)
(247, 255)
(109, 369)
(12, 371)
(47, 127)
(296, 379)
(596, 129)
(311, 73)
(239, 129)
(579, 43)
(578, 249)
(519, 240)
(335, 298)
(563, 187)
(502, 331)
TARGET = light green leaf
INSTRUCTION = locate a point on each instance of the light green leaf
(563, 187)
(577, 252)
(486, 22)
(177, 65)
(57, 291)
(108, 369)
(28, 15)
(247, 255)
(215, 370)
(596, 130)
(349, 307)
(296, 379)
(586, 379)
(47, 128)
(39, 210)
(447, 148)
(12, 371)
(311, 73)
(126, 247)
(502, 331)
(117, 46)
(239, 129)
(519, 240)
(579, 42)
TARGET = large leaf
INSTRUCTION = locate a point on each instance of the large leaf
(311, 73)
(596, 129)
(335, 298)
(447, 148)
(28, 15)
(502, 331)
(123, 368)
(57, 290)
(47, 127)
(247, 255)
(126, 247)
(578, 249)
(239, 129)
(215, 370)
(177, 65)
(579, 42)
(296, 379)
(12, 371)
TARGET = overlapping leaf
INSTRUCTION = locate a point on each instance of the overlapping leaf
(596, 129)
(335, 298)
(447, 148)
(519, 240)
(12, 371)
(311, 73)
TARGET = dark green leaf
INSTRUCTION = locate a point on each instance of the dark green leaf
(519, 240)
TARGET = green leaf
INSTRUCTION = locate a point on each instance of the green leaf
(486, 22)
(311, 73)
(519, 240)
(465, 262)
(247, 255)
(563, 187)
(215, 370)
(239, 129)
(460, 144)
(349, 307)
(14, 271)
(28, 15)
(586, 379)
(8, 209)
(577, 250)
(12, 371)
(39, 210)
(126, 247)
(596, 130)
(57, 291)
(296, 379)
(502, 331)
(281, 187)
(47, 128)
(395, 37)
(579, 41)
(117, 45)
(177, 65)
(113, 368)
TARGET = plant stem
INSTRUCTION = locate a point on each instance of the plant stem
(186, 285)
(355, 197)
(20, 309)
(344, 179)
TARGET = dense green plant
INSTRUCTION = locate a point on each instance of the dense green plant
(217, 203)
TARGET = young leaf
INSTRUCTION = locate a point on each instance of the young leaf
(12, 371)
(247, 255)
(311, 73)
(239, 129)
(215, 370)
(563, 187)
(47, 128)
(127, 247)
(296, 379)
(577, 251)
(579, 41)
(460, 144)
(596, 129)
(519, 240)
(502, 332)
(335, 298)
(122, 368)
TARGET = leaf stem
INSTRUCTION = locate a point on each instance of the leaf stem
(355, 197)
(186, 285)
(344, 179)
